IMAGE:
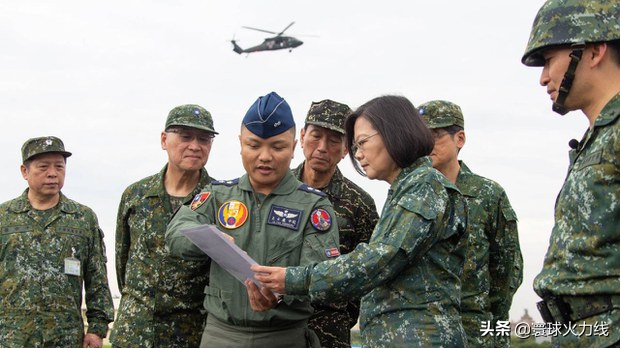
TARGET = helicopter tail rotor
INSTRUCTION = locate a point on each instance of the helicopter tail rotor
(236, 47)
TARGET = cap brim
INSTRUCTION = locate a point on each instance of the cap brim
(328, 126)
(193, 126)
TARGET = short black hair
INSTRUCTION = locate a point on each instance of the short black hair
(404, 133)
(614, 47)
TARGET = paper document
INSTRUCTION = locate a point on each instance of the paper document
(222, 250)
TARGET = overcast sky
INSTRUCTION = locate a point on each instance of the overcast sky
(103, 76)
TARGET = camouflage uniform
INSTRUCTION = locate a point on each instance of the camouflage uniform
(409, 273)
(357, 216)
(580, 281)
(162, 296)
(161, 304)
(39, 303)
(493, 266)
(583, 260)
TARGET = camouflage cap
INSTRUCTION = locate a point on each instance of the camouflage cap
(328, 114)
(190, 115)
(566, 22)
(270, 115)
(441, 114)
(37, 146)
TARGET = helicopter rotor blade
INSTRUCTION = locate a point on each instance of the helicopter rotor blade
(263, 30)
(288, 26)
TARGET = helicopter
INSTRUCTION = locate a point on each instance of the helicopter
(278, 42)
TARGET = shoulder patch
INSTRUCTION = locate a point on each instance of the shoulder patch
(304, 187)
(320, 219)
(199, 199)
(232, 214)
(225, 182)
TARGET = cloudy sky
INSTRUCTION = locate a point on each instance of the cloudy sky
(103, 76)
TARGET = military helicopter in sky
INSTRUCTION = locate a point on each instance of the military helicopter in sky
(278, 42)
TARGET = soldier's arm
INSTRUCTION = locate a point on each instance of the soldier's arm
(123, 240)
(99, 306)
(176, 243)
(405, 234)
(366, 220)
(505, 261)
(320, 245)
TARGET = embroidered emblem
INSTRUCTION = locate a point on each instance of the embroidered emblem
(199, 199)
(232, 214)
(284, 217)
(320, 219)
(332, 252)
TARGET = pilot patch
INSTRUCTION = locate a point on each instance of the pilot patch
(320, 219)
(199, 199)
(284, 217)
(232, 214)
(332, 252)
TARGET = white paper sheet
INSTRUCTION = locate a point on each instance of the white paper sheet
(222, 250)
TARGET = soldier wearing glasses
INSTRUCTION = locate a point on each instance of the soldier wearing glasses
(162, 296)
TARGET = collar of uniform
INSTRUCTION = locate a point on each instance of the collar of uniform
(157, 189)
(610, 112)
(424, 161)
(461, 181)
(22, 204)
(332, 189)
(287, 185)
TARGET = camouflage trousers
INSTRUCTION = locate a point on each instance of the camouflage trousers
(40, 330)
(333, 327)
(139, 327)
(580, 335)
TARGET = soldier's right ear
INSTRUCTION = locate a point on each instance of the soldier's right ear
(24, 170)
(163, 138)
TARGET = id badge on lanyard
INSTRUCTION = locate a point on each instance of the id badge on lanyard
(72, 264)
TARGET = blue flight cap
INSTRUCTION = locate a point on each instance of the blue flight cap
(270, 115)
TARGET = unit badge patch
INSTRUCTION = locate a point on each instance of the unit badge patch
(232, 214)
(320, 219)
(199, 199)
(284, 217)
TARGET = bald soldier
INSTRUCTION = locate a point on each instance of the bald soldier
(323, 145)
(271, 215)
(161, 303)
(51, 247)
(493, 268)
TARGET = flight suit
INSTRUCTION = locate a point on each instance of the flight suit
(293, 225)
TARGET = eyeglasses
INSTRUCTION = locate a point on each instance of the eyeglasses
(359, 145)
(187, 136)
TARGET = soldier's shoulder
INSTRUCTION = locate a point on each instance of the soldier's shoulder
(352, 188)
(482, 185)
(305, 188)
(143, 184)
(7, 205)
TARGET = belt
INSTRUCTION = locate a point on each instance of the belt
(565, 309)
